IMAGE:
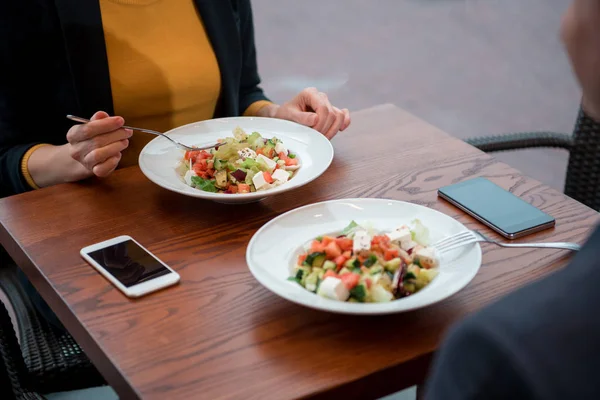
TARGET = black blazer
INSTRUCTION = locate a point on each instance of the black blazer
(53, 62)
(541, 342)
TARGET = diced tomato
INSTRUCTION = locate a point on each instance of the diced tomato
(270, 152)
(260, 150)
(200, 165)
(204, 155)
(340, 261)
(291, 161)
(268, 177)
(188, 155)
(390, 253)
(369, 283)
(344, 243)
(332, 250)
(380, 239)
(301, 258)
(243, 188)
(327, 239)
(233, 189)
(202, 174)
(282, 156)
(329, 273)
(210, 173)
(317, 247)
(350, 280)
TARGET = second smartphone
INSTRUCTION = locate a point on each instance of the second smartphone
(507, 214)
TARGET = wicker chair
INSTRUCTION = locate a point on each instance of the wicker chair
(14, 380)
(583, 171)
(51, 360)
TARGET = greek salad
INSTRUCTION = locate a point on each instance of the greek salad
(359, 265)
(239, 164)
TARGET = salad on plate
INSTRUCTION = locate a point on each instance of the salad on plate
(239, 164)
(360, 265)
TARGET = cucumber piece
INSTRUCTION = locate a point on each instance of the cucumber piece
(220, 164)
(376, 269)
(311, 281)
(393, 264)
(319, 260)
(315, 260)
(409, 276)
(350, 263)
(329, 265)
(371, 260)
(359, 292)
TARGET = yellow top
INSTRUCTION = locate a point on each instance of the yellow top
(163, 70)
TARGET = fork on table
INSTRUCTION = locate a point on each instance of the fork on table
(467, 237)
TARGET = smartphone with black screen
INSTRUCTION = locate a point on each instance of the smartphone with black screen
(129, 266)
(507, 214)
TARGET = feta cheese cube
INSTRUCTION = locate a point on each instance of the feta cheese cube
(267, 161)
(333, 288)
(259, 181)
(188, 177)
(281, 176)
(280, 148)
(426, 257)
(400, 235)
(291, 167)
(247, 153)
(408, 244)
(362, 241)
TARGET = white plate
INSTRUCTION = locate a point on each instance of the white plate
(272, 252)
(159, 158)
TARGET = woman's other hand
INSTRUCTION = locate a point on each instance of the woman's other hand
(311, 108)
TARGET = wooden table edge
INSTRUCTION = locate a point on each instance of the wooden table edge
(376, 384)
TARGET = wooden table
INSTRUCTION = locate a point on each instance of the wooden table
(219, 334)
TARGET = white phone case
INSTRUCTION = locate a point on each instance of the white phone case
(136, 290)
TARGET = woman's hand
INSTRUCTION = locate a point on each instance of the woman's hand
(580, 32)
(311, 108)
(98, 144)
(92, 149)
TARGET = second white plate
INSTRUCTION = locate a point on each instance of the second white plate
(272, 251)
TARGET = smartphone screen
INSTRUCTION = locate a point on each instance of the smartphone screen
(497, 207)
(129, 263)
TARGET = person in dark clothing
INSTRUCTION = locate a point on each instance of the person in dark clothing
(543, 341)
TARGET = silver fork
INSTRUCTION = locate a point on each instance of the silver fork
(467, 237)
(180, 145)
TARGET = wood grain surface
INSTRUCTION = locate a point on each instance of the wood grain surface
(219, 334)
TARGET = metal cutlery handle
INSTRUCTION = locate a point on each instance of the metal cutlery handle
(181, 146)
(556, 245)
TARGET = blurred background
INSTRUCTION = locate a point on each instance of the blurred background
(469, 67)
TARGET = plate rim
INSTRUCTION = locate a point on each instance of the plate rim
(243, 197)
(360, 309)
